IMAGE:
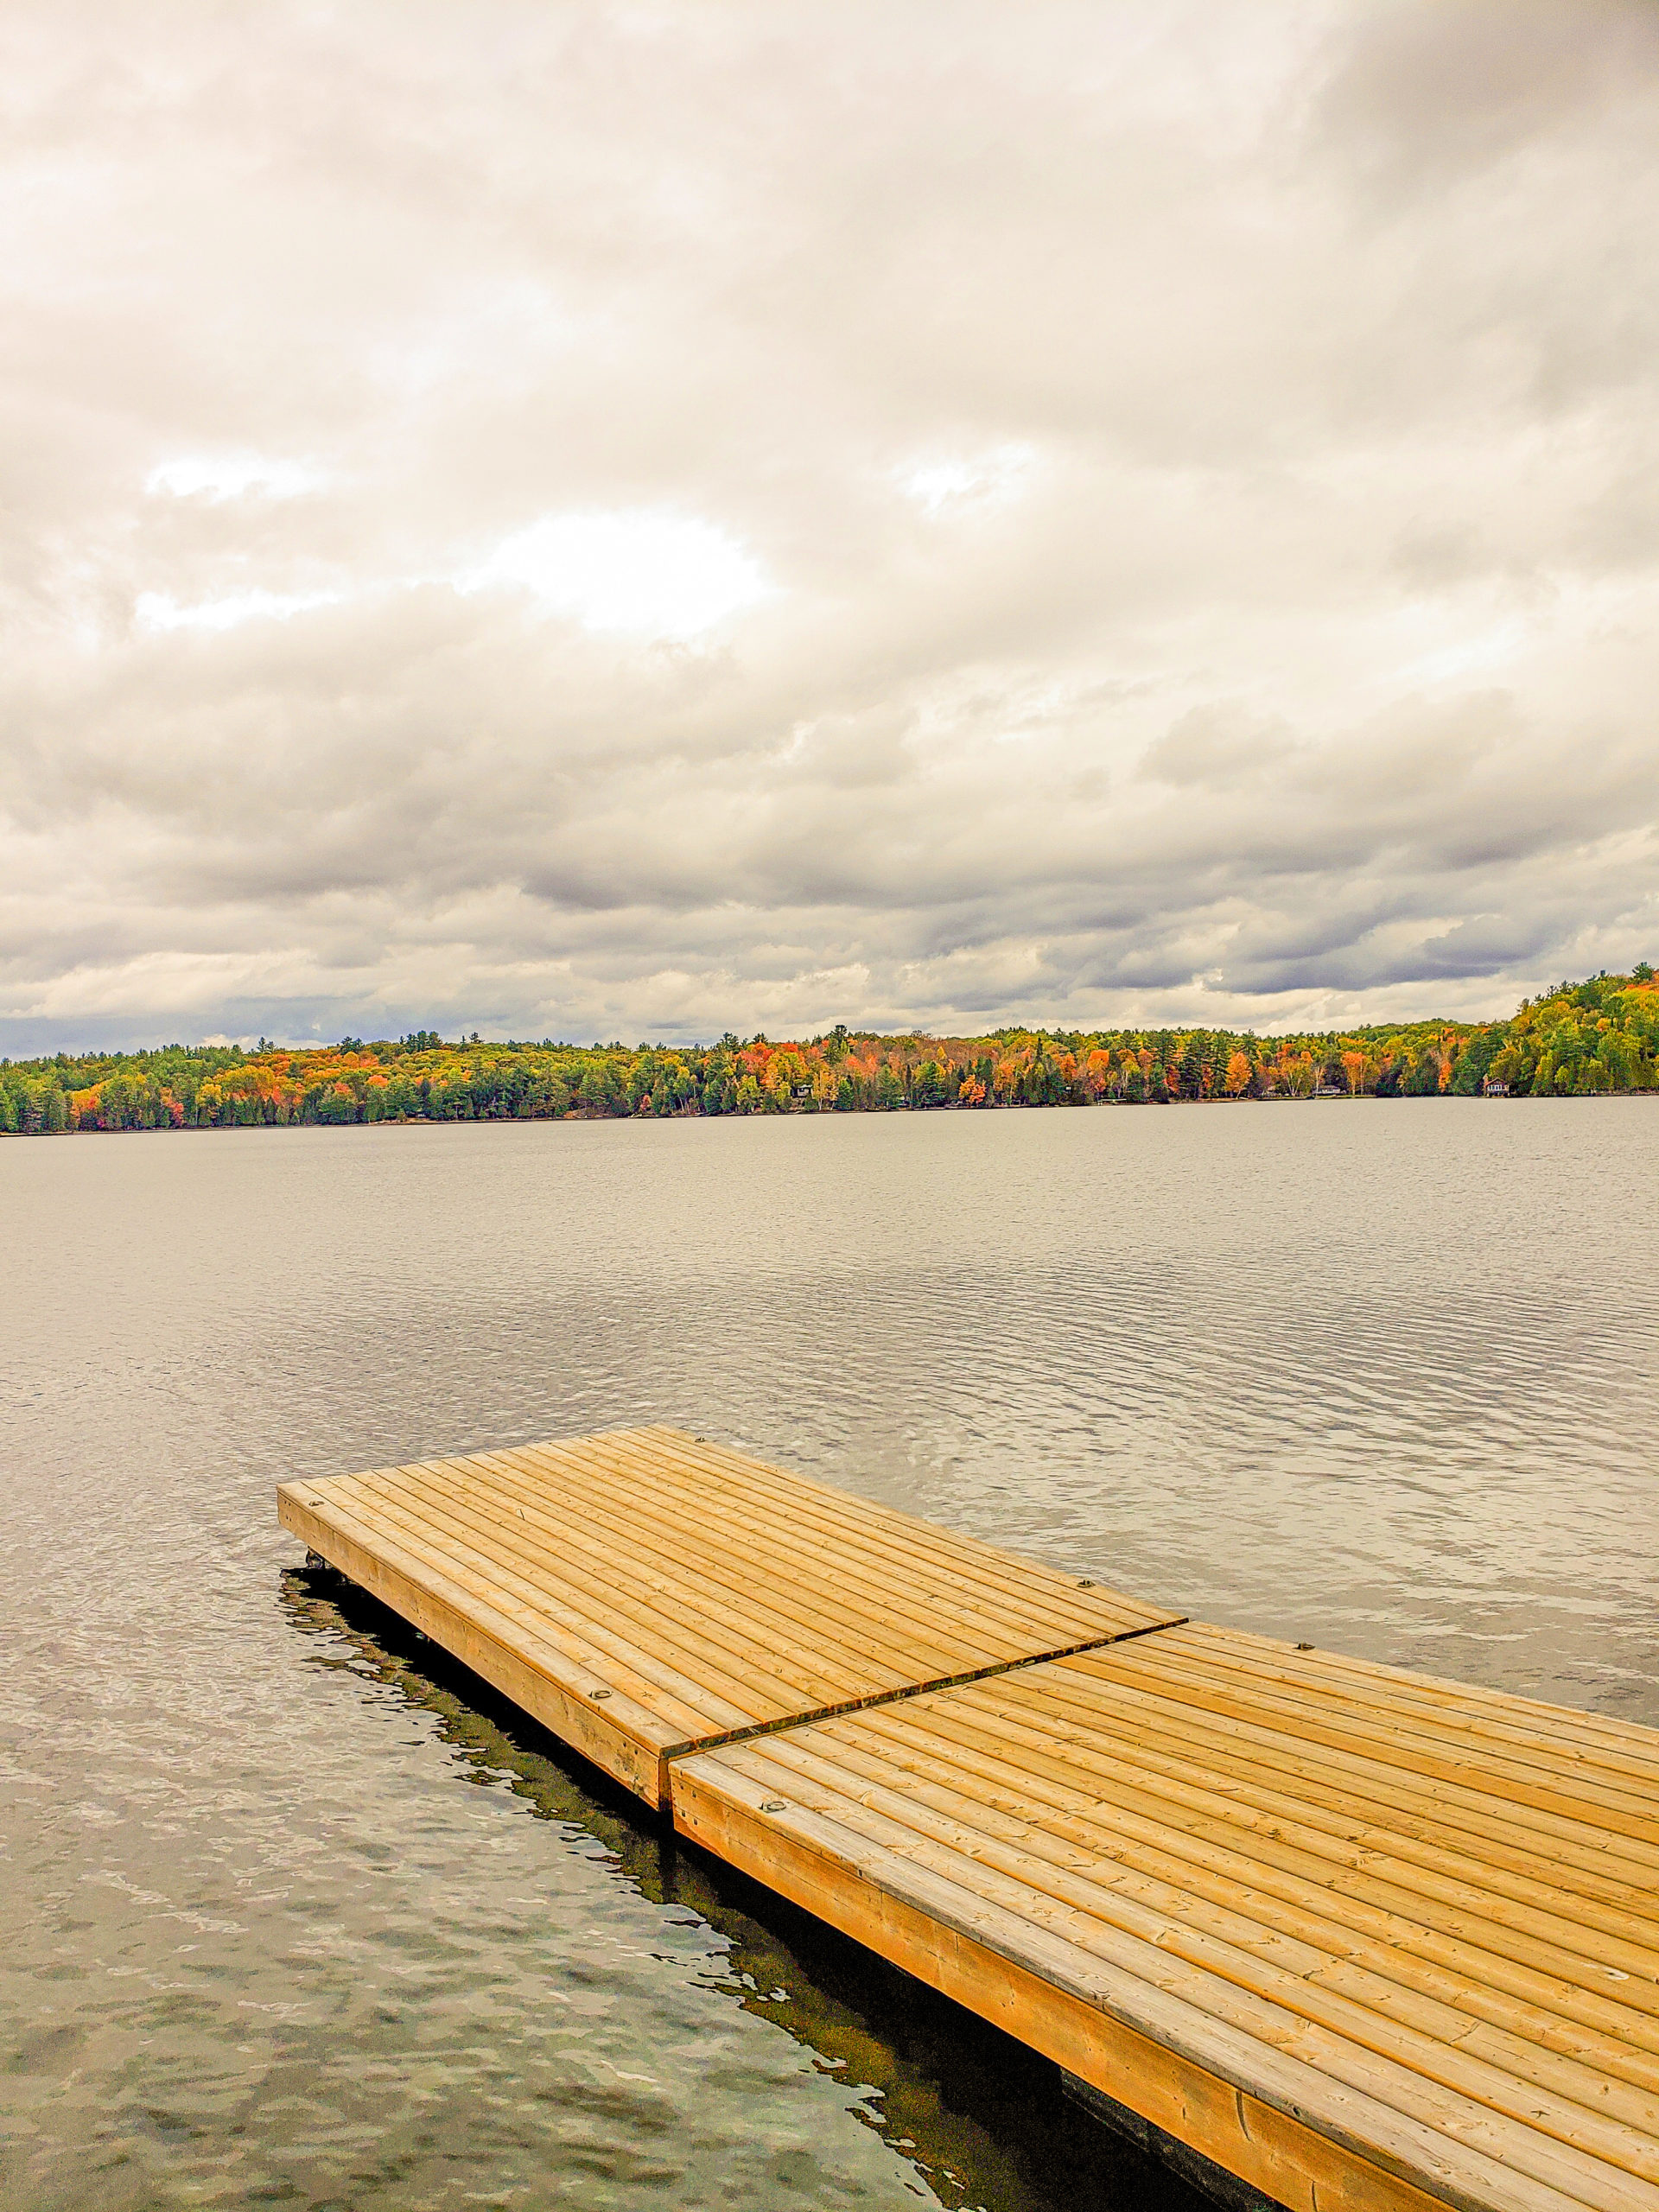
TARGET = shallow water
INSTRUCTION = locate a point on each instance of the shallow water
(298, 1915)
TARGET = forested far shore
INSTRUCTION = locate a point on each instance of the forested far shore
(1579, 1040)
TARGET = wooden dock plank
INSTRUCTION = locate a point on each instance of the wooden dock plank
(1531, 1967)
(599, 1636)
(832, 1637)
(652, 1621)
(1305, 1880)
(1232, 1676)
(780, 1525)
(647, 1591)
(1289, 1928)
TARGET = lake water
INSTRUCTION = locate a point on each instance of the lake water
(295, 1915)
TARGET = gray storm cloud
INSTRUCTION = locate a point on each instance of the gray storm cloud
(619, 521)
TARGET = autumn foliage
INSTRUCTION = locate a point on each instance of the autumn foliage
(1598, 1036)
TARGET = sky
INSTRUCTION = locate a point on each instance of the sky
(634, 521)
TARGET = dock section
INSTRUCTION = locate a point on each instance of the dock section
(1368, 1942)
(644, 1592)
(1360, 1938)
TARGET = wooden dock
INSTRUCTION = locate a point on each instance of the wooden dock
(1363, 1939)
(643, 1593)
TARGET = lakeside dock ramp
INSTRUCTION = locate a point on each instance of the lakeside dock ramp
(1366, 1941)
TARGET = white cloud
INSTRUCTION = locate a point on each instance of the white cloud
(156, 611)
(219, 477)
(988, 479)
(1480, 655)
(655, 574)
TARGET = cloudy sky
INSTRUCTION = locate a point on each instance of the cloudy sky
(627, 521)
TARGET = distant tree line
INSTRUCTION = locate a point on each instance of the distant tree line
(1579, 1039)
